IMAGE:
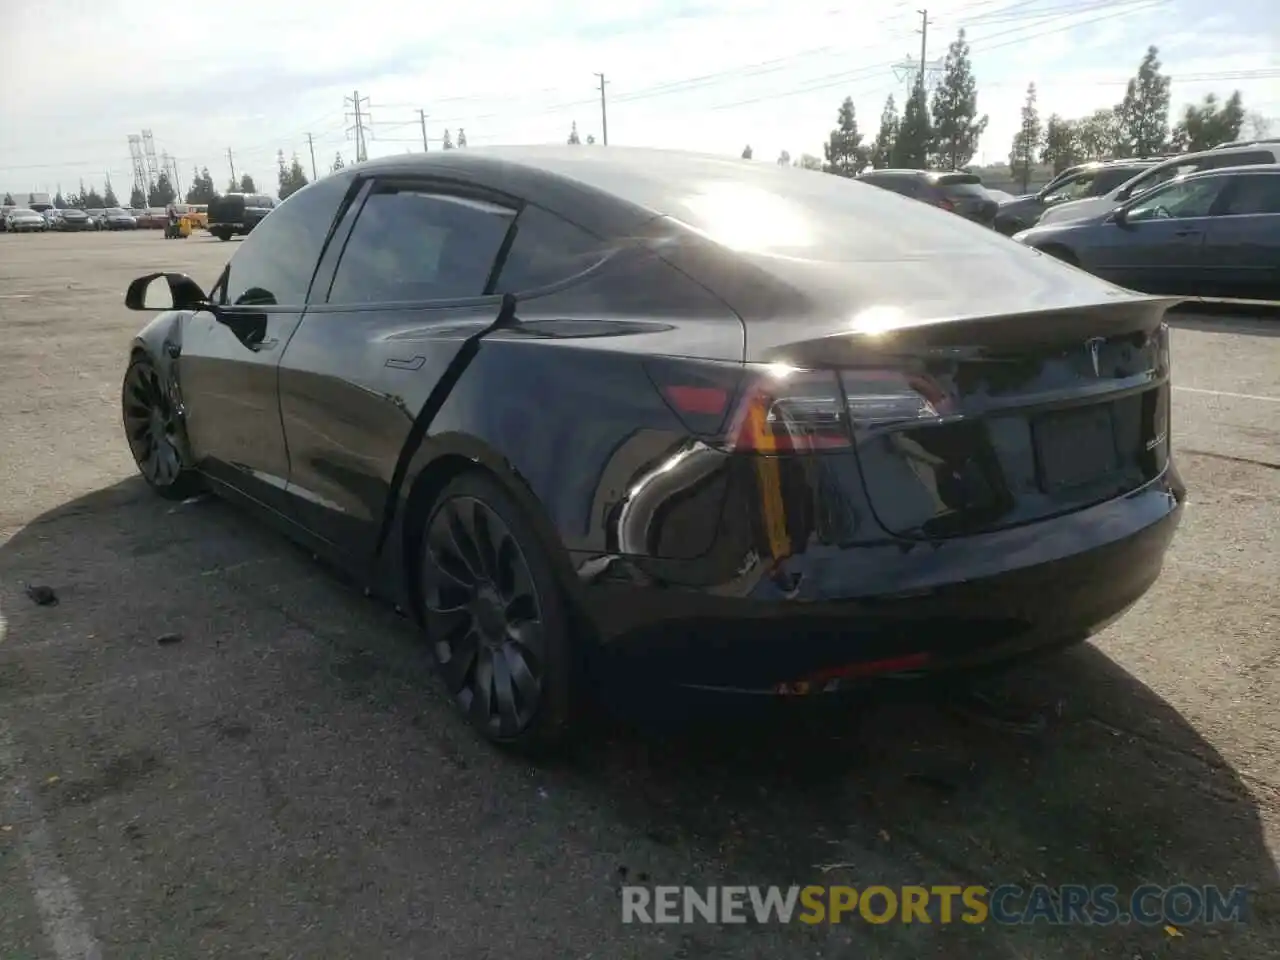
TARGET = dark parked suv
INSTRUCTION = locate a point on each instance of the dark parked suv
(237, 213)
(960, 193)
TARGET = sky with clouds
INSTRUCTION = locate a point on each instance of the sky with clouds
(256, 76)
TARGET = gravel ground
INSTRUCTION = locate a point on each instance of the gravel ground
(285, 780)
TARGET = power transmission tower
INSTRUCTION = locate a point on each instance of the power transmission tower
(171, 171)
(312, 147)
(604, 112)
(361, 121)
(422, 119)
(924, 41)
(138, 163)
(153, 166)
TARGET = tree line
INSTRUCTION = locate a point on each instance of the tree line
(943, 132)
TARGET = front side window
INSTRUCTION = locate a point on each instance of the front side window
(1178, 201)
(1074, 188)
(276, 262)
(1156, 176)
(412, 245)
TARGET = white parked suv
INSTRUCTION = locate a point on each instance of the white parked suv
(1231, 156)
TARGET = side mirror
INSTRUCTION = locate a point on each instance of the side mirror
(1118, 216)
(177, 292)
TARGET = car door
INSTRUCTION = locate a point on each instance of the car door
(411, 283)
(1242, 247)
(228, 362)
(1158, 245)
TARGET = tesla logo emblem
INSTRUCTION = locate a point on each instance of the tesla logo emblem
(1094, 346)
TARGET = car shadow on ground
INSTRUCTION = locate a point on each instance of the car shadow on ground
(1088, 777)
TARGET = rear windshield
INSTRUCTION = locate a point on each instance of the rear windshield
(961, 185)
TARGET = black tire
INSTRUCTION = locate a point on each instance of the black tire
(154, 433)
(223, 235)
(496, 618)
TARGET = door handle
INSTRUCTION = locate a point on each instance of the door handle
(1187, 233)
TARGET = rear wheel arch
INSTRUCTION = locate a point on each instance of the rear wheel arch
(455, 457)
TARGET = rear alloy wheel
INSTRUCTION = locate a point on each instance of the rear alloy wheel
(154, 433)
(495, 616)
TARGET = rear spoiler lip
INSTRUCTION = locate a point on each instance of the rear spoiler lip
(1069, 324)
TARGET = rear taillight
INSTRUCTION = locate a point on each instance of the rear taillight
(946, 204)
(785, 410)
(782, 409)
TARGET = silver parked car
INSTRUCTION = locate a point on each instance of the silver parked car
(1210, 234)
(1163, 172)
(22, 220)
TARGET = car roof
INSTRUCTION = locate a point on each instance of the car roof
(607, 190)
(1265, 168)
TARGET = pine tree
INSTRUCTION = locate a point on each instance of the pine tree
(886, 137)
(1022, 154)
(574, 139)
(94, 200)
(915, 133)
(1205, 126)
(845, 154)
(161, 193)
(1144, 112)
(746, 152)
(337, 163)
(957, 128)
(8, 200)
(109, 198)
(247, 185)
(137, 199)
(784, 159)
(448, 140)
(462, 138)
(1098, 135)
(1061, 148)
(59, 201)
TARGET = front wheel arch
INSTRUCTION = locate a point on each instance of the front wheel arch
(1059, 252)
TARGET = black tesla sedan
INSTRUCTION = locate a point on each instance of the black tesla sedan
(715, 423)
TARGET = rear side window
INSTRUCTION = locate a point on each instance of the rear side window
(410, 245)
(1235, 160)
(1254, 195)
(546, 250)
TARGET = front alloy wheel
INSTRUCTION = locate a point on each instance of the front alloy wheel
(494, 615)
(152, 428)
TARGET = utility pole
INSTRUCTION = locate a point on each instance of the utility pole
(231, 160)
(312, 147)
(362, 153)
(604, 113)
(422, 119)
(924, 42)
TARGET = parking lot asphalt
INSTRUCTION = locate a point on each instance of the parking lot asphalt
(280, 778)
